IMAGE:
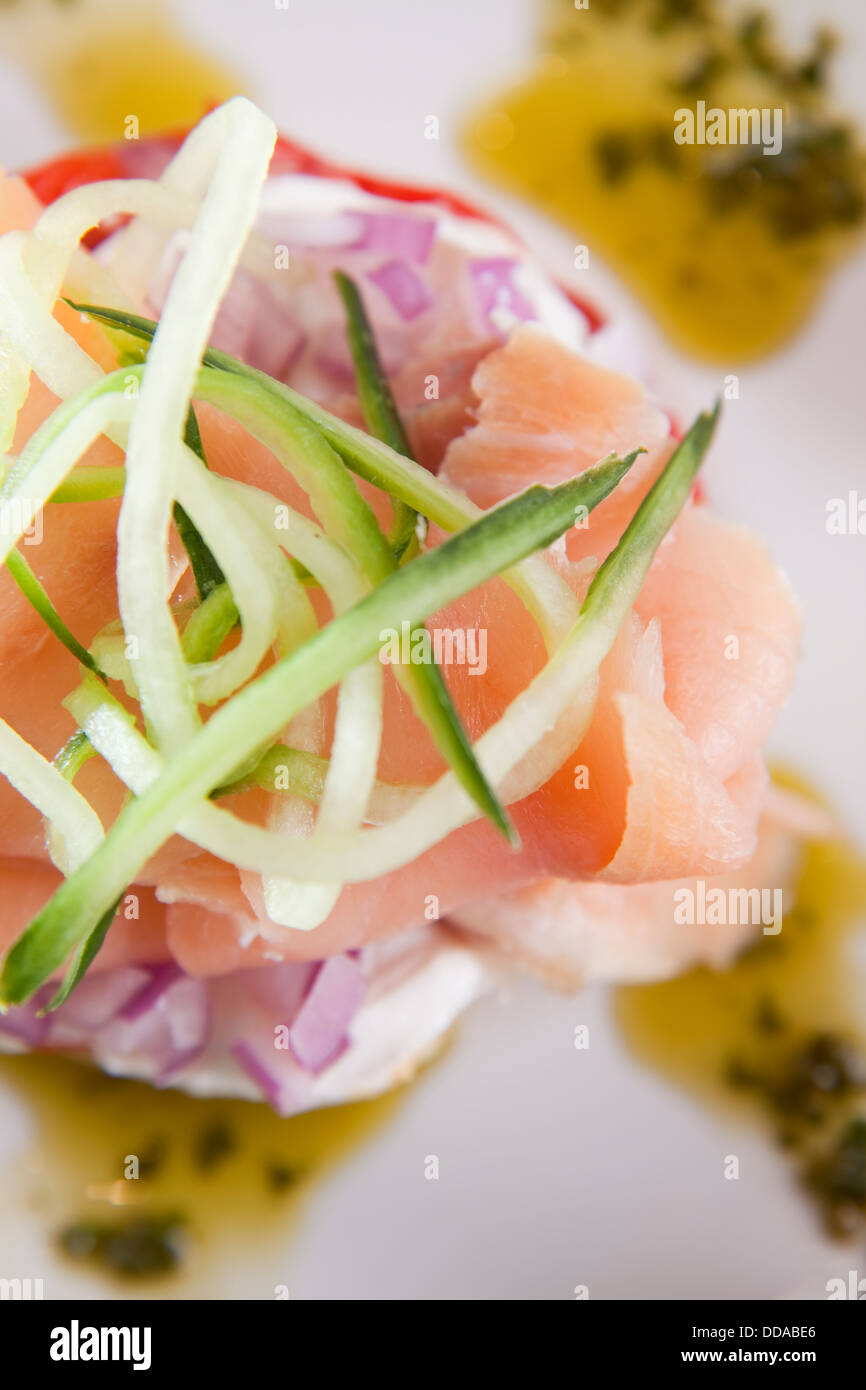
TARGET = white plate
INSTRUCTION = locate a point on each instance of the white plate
(557, 1167)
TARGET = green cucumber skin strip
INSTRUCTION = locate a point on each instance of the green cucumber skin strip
(38, 599)
(369, 460)
(332, 490)
(209, 625)
(82, 960)
(76, 751)
(432, 699)
(501, 538)
(632, 556)
(307, 772)
(377, 403)
(206, 572)
(87, 484)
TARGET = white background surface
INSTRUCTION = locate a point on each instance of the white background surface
(560, 1167)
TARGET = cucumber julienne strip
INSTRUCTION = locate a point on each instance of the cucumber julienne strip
(216, 617)
(253, 571)
(39, 600)
(348, 517)
(82, 960)
(382, 419)
(51, 453)
(223, 221)
(88, 484)
(627, 564)
(75, 827)
(76, 751)
(501, 538)
(547, 596)
(303, 774)
(206, 572)
(357, 728)
(377, 403)
(209, 625)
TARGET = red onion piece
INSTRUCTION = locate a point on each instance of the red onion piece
(233, 323)
(404, 237)
(99, 998)
(271, 1076)
(166, 1025)
(23, 1021)
(318, 1034)
(282, 988)
(161, 978)
(145, 1037)
(407, 291)
(254, 325)
(186, 1009)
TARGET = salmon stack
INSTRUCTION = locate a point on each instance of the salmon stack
(364, 633)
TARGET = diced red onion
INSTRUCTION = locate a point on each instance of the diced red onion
(161, 978)
(98, 998)
(254, 325)
(167, 1023)
(495, 290)
(146, 1036)
(23, 1021)
(185, 1006)
(233, 324)
(282, 988)
(176, 1061)
(404, 237)
(318, 1034)
(407, 291)
(270, 1078)
(155, 1020)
